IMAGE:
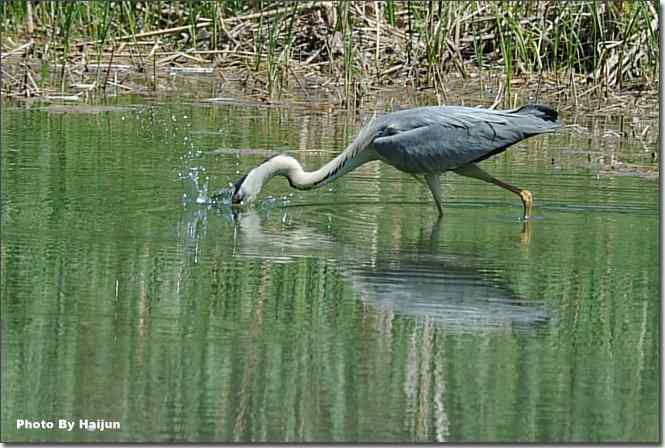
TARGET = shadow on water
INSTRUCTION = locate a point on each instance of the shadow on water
(450, 291)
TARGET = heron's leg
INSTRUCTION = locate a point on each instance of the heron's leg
(420, 181)
(433, 181)
(473, 170)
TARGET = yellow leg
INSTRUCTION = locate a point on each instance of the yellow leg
(527, 202)
(525, 234)
(474, 171)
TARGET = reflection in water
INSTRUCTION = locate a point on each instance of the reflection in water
(288, 244)
(450, 294)
(282, 246)
(446, 290)
(124, 300)
(440, 292)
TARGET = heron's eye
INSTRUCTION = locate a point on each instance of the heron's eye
(237, 198)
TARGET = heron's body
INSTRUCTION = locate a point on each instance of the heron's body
(422, 141)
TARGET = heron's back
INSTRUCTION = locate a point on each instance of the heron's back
(437, 139)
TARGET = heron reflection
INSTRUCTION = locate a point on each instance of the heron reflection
(452, 291)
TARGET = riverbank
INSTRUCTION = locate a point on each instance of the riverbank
(579, 54)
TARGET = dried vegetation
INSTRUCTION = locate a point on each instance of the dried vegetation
(573, 51)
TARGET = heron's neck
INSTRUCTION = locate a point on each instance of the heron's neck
(289, 167)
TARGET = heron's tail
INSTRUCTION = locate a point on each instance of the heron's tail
(543, 112)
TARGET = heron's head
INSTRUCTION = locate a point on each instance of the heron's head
(247, 188)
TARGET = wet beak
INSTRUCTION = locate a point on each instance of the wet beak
(236, 200)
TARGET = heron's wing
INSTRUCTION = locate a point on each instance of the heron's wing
(437, 139)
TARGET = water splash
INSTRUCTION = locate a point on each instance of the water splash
(197, 184)
(222, 196)
(199, 181)
(193, 174)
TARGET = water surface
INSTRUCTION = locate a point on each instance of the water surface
(341, 314)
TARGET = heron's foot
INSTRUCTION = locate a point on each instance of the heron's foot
(527, 202)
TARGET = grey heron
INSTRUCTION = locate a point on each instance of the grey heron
(424, 141)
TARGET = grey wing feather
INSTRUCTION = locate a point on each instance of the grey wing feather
(437, 139)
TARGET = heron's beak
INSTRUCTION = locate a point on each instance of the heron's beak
(236, 201)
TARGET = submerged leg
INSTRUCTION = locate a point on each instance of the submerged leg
(433, 181)
(474, 171)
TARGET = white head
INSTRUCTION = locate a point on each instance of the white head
(247, 187)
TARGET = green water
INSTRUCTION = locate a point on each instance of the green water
(341, 314)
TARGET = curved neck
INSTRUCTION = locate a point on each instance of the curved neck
(360, 151)
(287, 166)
